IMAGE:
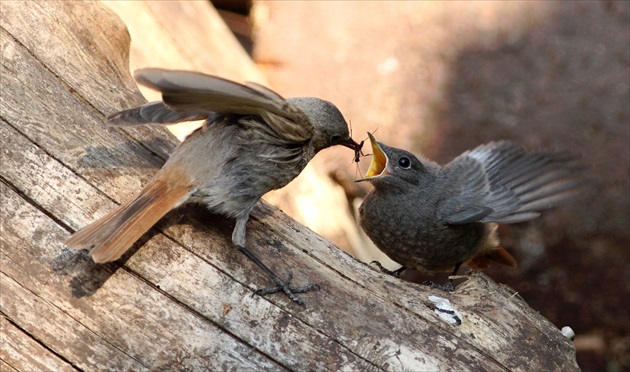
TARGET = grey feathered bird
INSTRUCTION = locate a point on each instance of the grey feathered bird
(433, 218)
(253, 141)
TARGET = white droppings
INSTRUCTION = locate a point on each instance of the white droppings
(445, 310)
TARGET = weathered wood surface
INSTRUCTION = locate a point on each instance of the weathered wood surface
(182, 298)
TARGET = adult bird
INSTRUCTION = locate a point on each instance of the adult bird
(253, 141)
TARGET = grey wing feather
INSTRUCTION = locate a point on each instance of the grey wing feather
(459, 214)
(194, 91)
(189, 92)
(507, 184)
(152, 113)
(263, 89)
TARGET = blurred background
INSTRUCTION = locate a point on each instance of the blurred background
(438, 78)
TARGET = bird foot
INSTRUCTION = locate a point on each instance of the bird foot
(281, 285)
(446, 287)
(290, 291)
(394, 273)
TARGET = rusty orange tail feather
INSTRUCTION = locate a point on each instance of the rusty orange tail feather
(110, 236)
(499, 255)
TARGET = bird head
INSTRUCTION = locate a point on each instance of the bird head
(329, 126)
(393, 166)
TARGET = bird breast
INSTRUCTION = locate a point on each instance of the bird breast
(410, 232)
(232, 168)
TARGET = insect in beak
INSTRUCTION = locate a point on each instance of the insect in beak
(358, 152)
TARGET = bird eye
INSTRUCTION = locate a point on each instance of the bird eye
(404, 163)
(335, 138)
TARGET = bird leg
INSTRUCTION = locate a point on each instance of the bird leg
(281, 285)
(394, 273)
(448, 286)
(238, 238)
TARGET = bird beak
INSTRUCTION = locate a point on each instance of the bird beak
(380, 162)
(350, 143)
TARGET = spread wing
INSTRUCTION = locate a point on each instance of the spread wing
(153, 112)
(188, 95)
(501, 182)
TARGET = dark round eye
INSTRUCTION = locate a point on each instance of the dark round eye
(335, 138)
(404, 163)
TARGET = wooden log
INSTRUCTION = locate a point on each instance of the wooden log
(183, 297)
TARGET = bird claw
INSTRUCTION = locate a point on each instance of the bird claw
(290, 291)
(394, 273)
(446, 287)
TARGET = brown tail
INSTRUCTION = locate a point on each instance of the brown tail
(499, 255)
(109, 237)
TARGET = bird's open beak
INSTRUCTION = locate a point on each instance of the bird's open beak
(380, 162)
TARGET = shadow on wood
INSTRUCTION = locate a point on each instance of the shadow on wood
(184, 299)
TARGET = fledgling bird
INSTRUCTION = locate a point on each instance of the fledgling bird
(253, 141)
(434, 218)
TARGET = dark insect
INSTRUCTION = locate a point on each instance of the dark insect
(357, 150)
(358, 153)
